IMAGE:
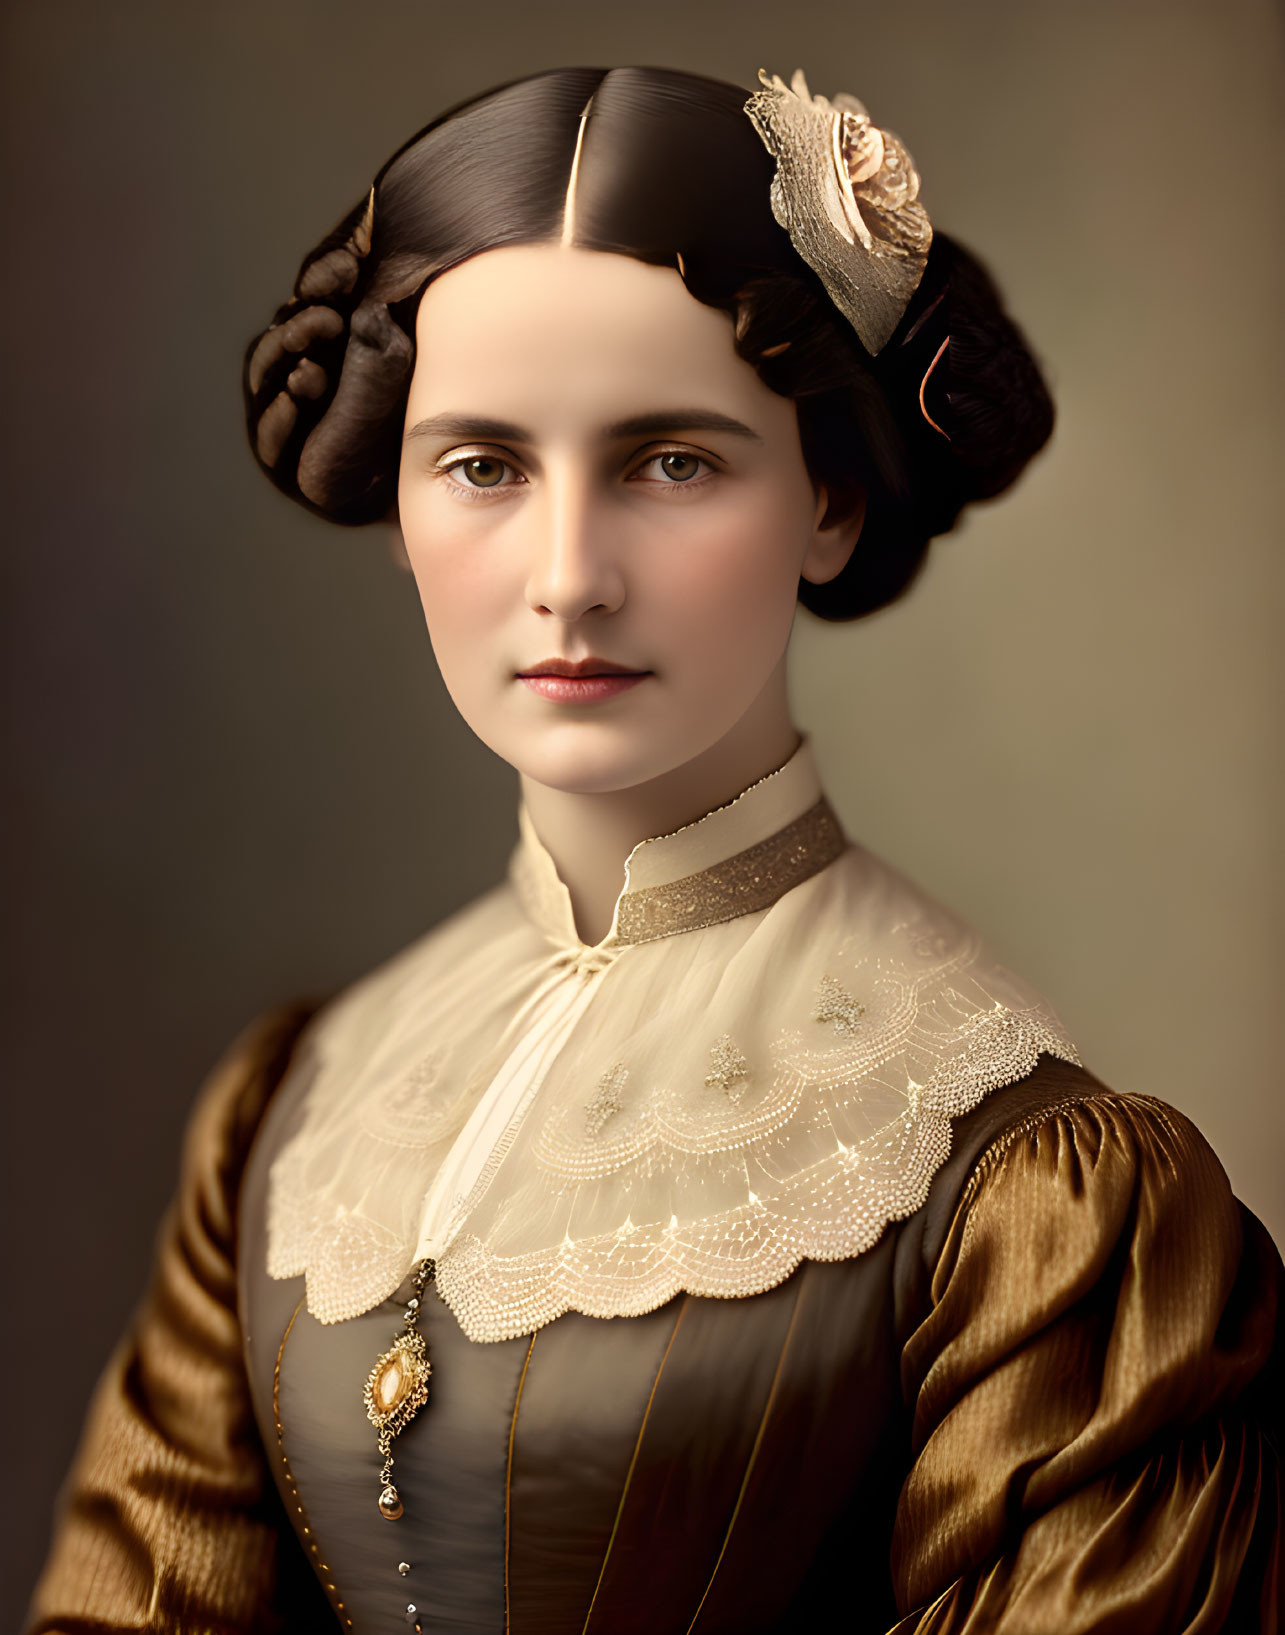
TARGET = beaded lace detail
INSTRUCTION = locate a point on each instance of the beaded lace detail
(697, 1111)
(815, 1152)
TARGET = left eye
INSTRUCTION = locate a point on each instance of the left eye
(674, 467)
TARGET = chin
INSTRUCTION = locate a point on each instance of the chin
(590, 773)
(592, 759)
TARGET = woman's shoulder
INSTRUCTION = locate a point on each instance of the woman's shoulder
(1052, 1175)
(403, 978)
(1060, 1184)
(1048, 1141)
(233, 1096)
(235, 1092)
(1096, 1340)
(1062, 1131)
(269, 1061)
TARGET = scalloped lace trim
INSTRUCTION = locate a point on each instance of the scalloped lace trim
(836, 1209)
(699, 1113)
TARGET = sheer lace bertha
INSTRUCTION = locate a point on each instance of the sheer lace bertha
(595, 1128)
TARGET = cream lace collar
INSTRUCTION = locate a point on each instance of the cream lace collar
(759, 1064)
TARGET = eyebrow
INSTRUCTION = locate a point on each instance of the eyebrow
(484, 427)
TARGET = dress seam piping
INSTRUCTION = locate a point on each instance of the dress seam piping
(508, 1476)
(629, 1474)
(754, 1453)
(332, 1593)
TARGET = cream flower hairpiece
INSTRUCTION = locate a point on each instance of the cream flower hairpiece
(847, 193)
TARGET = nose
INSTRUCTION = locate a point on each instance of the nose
(573, 568)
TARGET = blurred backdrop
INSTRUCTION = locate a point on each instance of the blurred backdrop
(233, 773)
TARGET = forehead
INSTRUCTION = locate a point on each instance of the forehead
(553, 331)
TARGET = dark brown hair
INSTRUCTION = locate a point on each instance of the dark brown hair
(671, 172)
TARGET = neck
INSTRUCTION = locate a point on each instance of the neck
(589, 835)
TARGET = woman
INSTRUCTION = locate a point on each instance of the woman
(743, 1249)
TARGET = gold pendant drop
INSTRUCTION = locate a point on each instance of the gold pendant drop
(397, 1388)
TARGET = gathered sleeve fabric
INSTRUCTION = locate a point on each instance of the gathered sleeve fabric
(169, 1519)
(1096, 1392)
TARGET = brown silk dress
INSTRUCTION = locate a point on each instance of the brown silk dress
(1048, 1401)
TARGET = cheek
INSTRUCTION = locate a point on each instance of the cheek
(457, 594)
(731, 587)
(462, 603)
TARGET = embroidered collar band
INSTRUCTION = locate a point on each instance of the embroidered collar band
(735, 860)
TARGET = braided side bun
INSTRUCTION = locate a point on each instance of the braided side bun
(321, 381)
(951, 411)
(971, 410)
(1001, 413)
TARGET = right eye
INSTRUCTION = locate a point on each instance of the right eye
(476, 473)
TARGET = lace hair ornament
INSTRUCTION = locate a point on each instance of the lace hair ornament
(847, 193)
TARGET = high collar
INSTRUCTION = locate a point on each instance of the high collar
(735, 860)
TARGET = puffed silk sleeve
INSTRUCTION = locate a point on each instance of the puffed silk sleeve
(1095, 1392)
(168, 1519)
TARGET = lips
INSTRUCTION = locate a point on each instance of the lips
(579, 668)
(580, 681)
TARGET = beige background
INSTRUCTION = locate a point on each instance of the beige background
(234, 773)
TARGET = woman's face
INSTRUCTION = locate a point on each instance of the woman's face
(592, 480)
